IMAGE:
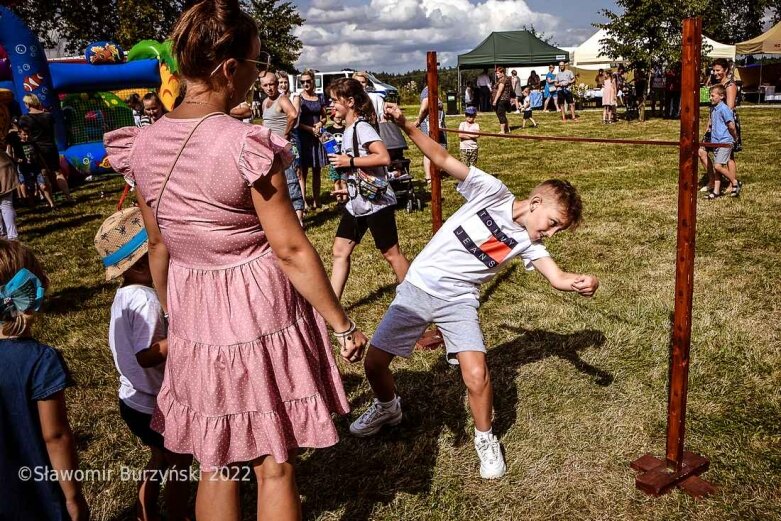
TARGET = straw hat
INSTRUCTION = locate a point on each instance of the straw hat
(121, 240)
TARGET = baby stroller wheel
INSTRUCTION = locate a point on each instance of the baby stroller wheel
(410, 205)
(419, 203)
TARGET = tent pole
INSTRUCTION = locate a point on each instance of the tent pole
(458, 88)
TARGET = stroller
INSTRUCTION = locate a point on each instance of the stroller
(399, 175)
(631, 101)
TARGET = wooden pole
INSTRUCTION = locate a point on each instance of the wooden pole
(687, 221)
(432, 77)
(682, 468)
(432, 339)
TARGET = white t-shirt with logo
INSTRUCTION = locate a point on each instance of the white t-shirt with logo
(359, 205)
(474, 243)
(136, 323)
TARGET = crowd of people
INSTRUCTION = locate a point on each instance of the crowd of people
(250, 378)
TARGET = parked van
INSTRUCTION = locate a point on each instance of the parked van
(323, 79)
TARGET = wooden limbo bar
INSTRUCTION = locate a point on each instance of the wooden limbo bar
(680, 468)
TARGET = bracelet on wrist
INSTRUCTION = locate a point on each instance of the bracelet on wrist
(352, 162)
(350, 330)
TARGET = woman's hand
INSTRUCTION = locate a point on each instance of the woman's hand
(317, 129)
(339, 160)
(352, 346)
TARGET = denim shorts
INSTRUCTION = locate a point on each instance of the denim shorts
(294, 188)
(413, 310)
(30, 178)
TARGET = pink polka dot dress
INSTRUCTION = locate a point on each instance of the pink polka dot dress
(250, 370)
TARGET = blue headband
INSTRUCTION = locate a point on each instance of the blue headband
(24, 292)
(126, 250)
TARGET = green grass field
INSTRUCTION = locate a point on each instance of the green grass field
(580, 385)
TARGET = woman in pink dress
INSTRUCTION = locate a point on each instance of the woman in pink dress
(250, 376)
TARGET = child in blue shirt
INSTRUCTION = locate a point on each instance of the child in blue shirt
(722, 130)
(39, 449)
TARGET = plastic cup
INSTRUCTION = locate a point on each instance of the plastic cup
(331, 146)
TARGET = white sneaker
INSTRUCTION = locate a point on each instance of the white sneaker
(372, 420)
(491, 460)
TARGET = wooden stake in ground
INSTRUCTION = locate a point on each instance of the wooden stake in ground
(432, 339)
(681, 468)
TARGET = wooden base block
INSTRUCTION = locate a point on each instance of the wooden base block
(430, 340)
(656, 478)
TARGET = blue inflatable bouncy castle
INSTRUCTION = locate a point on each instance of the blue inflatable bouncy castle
(29, 68)
(87, 110)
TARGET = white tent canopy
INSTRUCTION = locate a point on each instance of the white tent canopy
(588, 55)
(719, 50)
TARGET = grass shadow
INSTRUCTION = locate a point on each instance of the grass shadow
(532, 346)
(490, 288)
(59, 224)
(320, 217)
(71, 299)
(398, 460)
(375, 294)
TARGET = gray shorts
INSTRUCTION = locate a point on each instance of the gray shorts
(721, 155)
(413, 310)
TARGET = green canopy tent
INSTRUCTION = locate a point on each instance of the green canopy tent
(510, 48)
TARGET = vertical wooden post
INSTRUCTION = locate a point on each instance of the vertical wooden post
(432, 339)
(687, 220)
(432, 78)
(681, 468)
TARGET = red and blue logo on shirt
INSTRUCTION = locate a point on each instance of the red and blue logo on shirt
(482, 237)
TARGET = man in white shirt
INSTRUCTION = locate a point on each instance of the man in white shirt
(484, 85)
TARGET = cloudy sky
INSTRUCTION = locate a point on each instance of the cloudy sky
(394, 35)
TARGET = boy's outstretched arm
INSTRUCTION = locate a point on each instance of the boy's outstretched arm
(585, 285)
(430, 148)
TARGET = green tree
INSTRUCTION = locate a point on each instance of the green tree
(276, 21)
(129, 21)
(648, 33)
(733, 21)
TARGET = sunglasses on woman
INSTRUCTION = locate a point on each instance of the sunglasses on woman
(263, 63)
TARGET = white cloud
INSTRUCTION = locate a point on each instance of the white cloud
(394, 35)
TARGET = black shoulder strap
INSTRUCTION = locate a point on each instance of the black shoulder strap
(356, 143)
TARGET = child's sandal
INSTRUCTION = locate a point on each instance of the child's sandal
(736, 188)
(712, 195)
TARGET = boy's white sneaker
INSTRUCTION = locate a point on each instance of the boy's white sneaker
(489, 450)
(377, 415)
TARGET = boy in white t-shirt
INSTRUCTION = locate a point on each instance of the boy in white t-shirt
(137, 338)
(443, 283)
(468, 145)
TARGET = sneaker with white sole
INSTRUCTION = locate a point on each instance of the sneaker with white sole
(372, 420)
(489, 450)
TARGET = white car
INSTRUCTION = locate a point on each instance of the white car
(323, 79)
